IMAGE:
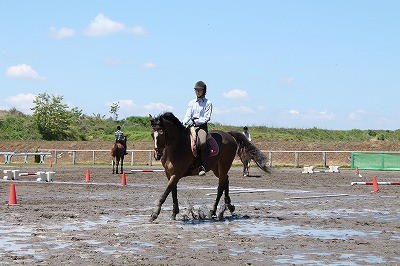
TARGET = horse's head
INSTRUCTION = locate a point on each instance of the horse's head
(157, 133)
(165, 129)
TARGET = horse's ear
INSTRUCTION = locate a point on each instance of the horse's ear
(151, 118)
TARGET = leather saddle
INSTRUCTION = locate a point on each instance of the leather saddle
(212, 145)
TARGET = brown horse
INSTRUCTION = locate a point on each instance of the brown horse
(117, 153)
(173, 147)
(245, 159)
(247, 152)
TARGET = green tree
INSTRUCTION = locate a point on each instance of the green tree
(114, 110)
(54, 120)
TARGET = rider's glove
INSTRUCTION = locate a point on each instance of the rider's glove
(190, 123)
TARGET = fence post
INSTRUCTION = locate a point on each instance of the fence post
(270, 158)
(296, 159)
(324, 159)
(150, 156)
(94, 157)
(73, 157)
(131, 158)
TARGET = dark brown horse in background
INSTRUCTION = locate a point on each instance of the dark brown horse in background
(118, 153)
(172, 145)
(248, 152)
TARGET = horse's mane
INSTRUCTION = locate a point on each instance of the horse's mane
(171, 118)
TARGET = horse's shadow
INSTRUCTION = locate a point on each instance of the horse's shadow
(253, 175)
(195, 220)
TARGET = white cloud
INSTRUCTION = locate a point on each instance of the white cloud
(22, 102)
(149, 65)
(157, 107)
(101, 25)
(286, 81)
(221, 111)
(121, 103)
(244, 110)
(236, 94)
(138, 30)
(24, 71)
(358, 114)
(326, 115)
(61, 33)
(125, 103)
(261, 108)
(313, 114)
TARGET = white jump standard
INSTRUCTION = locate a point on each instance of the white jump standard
(310, 170)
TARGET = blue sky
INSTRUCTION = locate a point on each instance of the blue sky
(301, 64)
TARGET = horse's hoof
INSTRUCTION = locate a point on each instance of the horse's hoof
(212, 214)
(231, 208)
(153, 217)
(221, 216)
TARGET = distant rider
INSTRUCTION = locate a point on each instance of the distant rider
(198, 114)
(246, 133)
(119, 137)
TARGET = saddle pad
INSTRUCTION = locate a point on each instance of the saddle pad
(212, 146)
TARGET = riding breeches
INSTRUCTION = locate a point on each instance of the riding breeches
(202, 135)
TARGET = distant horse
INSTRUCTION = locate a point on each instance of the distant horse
(245, 158)
(172, 145)
(118, 153)
(247, 152)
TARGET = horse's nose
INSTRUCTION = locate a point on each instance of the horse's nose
(157, 155)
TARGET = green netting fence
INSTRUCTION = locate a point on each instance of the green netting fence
(375, 161)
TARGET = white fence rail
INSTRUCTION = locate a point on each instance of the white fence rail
(276, 158)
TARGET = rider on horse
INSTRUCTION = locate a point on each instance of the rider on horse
(197, 116)
(119, 137)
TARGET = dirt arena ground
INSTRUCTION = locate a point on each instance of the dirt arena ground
(285, 218)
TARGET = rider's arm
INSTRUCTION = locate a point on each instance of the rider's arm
(188, 114)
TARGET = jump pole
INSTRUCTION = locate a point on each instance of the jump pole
(147, 170)
(379, 183)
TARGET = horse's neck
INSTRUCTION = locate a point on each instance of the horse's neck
(176, 140)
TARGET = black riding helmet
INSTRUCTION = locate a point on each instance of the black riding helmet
(201, 85)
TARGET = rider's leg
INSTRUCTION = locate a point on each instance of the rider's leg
(202, 135)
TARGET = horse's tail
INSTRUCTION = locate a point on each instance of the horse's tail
(255, 154)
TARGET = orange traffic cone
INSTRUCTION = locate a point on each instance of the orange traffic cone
(374, 185)
(87, 177)
(123, 179)
(13, 195)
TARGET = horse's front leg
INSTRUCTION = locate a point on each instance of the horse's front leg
(172, 184)
(122, 165)
(113, 166)
(220, 190)
(175, 206)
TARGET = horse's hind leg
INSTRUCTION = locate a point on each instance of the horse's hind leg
(227, 202)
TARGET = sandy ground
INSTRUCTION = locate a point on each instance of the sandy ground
(285, 218)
